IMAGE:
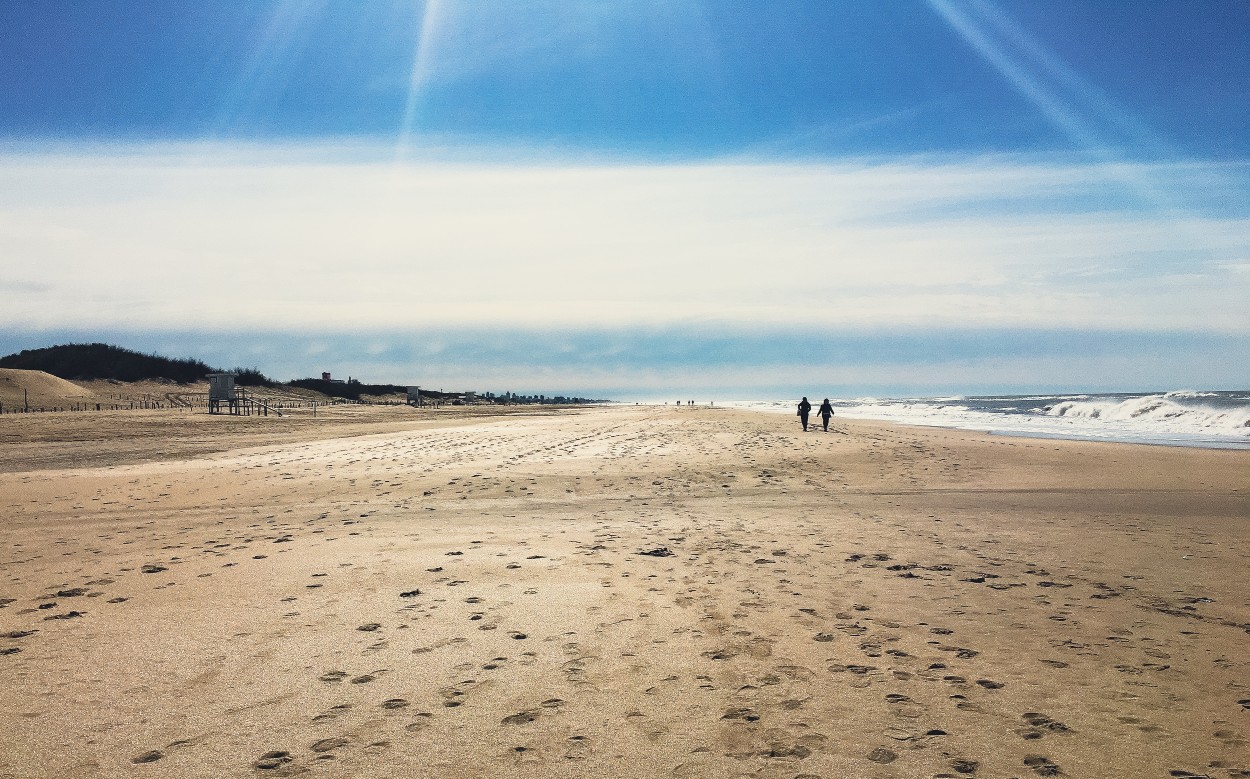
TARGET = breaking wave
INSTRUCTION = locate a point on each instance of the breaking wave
(1179, 418)
(1173, 411)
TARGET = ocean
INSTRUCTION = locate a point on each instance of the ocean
(1182, 418)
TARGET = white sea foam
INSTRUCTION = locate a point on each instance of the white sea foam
(1180, 418)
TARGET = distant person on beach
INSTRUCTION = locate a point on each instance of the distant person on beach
(825, 412)
(805, 408)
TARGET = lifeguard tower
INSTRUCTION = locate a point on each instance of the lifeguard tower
(414, 396)
(221, 390)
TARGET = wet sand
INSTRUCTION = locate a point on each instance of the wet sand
(630, 592)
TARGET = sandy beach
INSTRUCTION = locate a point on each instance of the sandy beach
(614, 591)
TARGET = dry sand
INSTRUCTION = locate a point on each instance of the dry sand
(409, 594)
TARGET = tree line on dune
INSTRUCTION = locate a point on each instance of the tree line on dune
(96, 361)
(87, 362)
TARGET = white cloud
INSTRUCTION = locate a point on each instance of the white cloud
(280, 237)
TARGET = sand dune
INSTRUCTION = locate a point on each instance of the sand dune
(631, 592)
(41, 389)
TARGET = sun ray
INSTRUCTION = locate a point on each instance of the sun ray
(271, 54)
(1074, 106)
(422, 71)
(1026, 83)
(1094, 99)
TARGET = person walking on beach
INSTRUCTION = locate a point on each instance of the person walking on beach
(805, 408)
(825, 412)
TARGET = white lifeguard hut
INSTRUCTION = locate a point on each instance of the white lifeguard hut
(221, 389)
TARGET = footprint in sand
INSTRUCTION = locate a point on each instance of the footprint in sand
(521, 718)
(67, 615)
(742, 714)
(882, 755)
(965, 766)
(452, 698)
(963, 704)
(1042, 765)
(579, 748)
(1040, 722)
(273, 759)
(328, 744)
(855, 669)
(333, 713)
(421, 723)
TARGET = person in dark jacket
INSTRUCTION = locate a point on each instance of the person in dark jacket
(805, 408)
(825, 412)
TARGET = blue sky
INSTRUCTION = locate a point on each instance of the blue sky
(743, 199)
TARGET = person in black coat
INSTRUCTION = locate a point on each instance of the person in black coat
(825, 412)
(805, 408)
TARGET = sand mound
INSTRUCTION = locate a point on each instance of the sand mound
(41, 389)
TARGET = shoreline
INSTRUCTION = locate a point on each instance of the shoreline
(1169, 438)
